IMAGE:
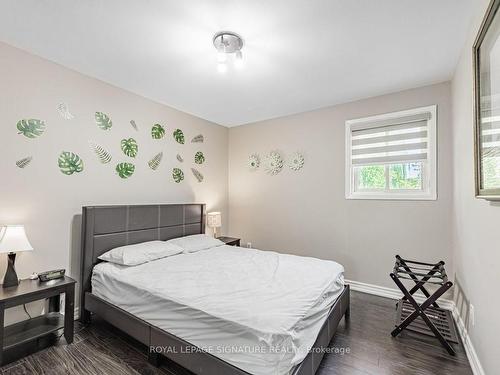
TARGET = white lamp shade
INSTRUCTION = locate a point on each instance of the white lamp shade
(13, 239)
(214, 220)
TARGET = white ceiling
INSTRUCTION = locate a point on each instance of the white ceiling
(299, 54)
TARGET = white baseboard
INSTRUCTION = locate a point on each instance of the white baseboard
(447, 304)
(392, 293)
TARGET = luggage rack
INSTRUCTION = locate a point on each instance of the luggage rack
(428, 317)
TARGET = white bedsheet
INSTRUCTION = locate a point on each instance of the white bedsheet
(258, 310)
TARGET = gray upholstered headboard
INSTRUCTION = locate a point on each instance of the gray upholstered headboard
(107, 227)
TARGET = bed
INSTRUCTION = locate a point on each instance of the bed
(223, 310)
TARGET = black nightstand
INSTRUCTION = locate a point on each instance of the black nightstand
(231, 241)
(16, 336)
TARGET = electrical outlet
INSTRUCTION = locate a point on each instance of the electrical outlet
(472, 315)
(249, 245)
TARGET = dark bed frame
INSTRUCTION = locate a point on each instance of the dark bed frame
(106, 227)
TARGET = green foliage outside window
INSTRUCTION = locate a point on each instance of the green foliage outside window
(401, 176)
(372, 177)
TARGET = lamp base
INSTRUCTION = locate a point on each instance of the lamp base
(10, 278)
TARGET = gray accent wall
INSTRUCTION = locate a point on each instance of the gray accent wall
(476, 222)
(306, 213)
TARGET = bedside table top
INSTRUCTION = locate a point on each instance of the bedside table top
(227, 239)
(28, 286)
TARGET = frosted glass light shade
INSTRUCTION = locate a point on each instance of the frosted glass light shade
(214, 220)
(13, 239)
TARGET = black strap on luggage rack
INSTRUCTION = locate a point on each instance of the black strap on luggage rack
(434, 320)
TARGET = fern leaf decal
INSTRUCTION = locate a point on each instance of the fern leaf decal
(125, 170)
(130, 147)
(24, 162)
(179, 136)
(31, 128)
(134, 125)
(103, 156)
(64, 112)
(177, 175)
(199, 158)
(103, 121)
(197, 174)
(157, 131)
(155, 162)
(198, 139)
(179, 158)
(70, 163)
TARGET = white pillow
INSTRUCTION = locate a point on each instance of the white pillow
(196, 242)
(133, 255)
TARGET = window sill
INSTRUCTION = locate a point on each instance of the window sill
(393, 196)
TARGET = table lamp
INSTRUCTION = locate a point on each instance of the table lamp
(214, 220)
(12, 239)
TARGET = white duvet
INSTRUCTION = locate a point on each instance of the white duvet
(258, 310)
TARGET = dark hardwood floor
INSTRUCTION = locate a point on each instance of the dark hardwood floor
(365, 340)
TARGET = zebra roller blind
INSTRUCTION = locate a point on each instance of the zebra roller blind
(390, 141)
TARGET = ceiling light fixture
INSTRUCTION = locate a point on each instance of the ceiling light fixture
(228, 45)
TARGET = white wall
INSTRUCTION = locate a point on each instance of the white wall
(476, 240)
(49, 202)
(306, 212)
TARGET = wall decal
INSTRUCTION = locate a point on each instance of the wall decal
(179, 136)
(24, 162)
(273, 163)
(64, 112)
(155, 162)
(254, 162)
(103, 156)
(70, 163)
(103, 121)
(296, 161)
(134, 125)
(130, 147)
(31, 128)
(125, 170)
(157, 131)
(198, 139)
(197, 174)
(179, 158)
(199, 158)
(177, 175)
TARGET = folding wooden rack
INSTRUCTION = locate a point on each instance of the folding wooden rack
(428, 317)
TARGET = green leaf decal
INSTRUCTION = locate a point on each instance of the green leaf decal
(70, 163)
(125, 170)
(179, 136)
(130, 147)
(31, 128)
(197, 174)
(103, 121)
(155, 162)
(199, 158)
(177, 175)
(24, 162)
(157, 131)
(103, 156)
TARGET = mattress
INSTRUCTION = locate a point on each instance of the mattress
(258, 310)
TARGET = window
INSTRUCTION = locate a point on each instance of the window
(392, 156)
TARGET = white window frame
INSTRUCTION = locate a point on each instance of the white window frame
(429, 170)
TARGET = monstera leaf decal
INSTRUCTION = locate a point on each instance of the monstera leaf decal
(70, 163)
(130, 147)
(177, 175)
(155, 162)
(103, 156)
(103, 121)
(31, 128)
(24, 162)
(199, 158)
(125, 170)
(157, 131)
(179, 136)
